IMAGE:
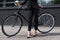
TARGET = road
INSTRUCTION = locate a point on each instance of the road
(22, 35)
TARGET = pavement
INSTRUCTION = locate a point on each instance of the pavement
(22, 35)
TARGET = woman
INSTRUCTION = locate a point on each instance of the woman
(33, 5)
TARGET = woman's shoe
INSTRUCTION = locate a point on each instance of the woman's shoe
(29, 34)
(34, 33)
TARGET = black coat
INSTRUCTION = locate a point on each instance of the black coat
(30, 1)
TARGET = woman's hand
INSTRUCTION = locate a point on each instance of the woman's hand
(40, 5)
(17, 3)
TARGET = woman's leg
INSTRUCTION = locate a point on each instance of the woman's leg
(36, 24)
(30, 24)
(36, 11)
(30, 21)
(36, 21)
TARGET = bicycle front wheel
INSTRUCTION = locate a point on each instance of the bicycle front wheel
(45, 23)
(12, 25)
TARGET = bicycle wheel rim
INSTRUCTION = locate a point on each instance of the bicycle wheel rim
(46, 22)
(7, 28)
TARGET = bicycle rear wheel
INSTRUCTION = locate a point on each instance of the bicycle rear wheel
(45, 22)
(12, 25)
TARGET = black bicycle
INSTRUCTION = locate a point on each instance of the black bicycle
(13, 23)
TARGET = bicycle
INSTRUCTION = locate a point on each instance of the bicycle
(13, 23)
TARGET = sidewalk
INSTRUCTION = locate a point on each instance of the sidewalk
(22, 35)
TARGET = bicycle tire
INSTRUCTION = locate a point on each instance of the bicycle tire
(7, 24)
(45, 20)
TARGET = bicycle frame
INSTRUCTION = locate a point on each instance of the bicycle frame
(22, 16)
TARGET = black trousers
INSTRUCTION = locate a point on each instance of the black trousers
(34, 12)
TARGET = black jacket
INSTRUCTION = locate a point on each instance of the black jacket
(31, 1)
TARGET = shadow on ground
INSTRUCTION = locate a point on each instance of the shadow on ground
(39, 35)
